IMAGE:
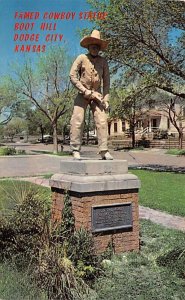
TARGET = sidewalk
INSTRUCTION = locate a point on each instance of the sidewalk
(156, 216)
(32, 165)
(162, 218)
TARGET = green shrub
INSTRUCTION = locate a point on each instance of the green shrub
(7, 151)
(56, 274)
(78, 245)
(11, 151)
(13, 193)
(87, 263)
(174, 260)
(22, 231)
(20, 152)
(67, 226)
(176, 152)
(181, 152)
(61, 260)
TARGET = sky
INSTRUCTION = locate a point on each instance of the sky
(67, 28)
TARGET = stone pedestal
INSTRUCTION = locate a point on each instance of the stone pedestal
(104, 201)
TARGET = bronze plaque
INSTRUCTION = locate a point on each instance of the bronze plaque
(111, 217)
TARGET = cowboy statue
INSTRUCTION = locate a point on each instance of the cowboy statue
(89, 73)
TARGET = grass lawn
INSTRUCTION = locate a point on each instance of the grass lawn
(156, 272)
(176, 152)
(16, 285)
(143, 276)
(128, 276)
(162, 190)
(12, 192)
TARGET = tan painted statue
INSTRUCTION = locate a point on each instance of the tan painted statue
(88, 74)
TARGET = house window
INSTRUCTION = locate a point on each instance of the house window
(154, 123)
(123, 126)
(115, 127)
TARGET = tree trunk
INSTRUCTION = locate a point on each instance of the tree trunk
(180, 139)
(55, 143)
(132, 127)
(133, 138)
(64, 132)
(42, 133)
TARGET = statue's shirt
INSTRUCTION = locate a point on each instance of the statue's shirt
(90, 73)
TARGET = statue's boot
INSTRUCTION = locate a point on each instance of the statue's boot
(76, 155)
(106, 155)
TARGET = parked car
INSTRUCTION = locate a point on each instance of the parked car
(48, 139)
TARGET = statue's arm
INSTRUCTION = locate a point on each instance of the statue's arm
(74, 74)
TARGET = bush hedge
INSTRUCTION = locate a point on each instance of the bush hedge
(61, 260)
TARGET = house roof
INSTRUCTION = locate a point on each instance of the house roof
(153, 113)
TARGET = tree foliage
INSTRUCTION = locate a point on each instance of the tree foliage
(37, 122)
(15, 126)
(173, 106)
(142, 40)
(130, 101)
(46, 85)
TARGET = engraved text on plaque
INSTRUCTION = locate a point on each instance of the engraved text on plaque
(111, 217)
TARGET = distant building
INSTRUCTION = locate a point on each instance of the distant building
(152, 121)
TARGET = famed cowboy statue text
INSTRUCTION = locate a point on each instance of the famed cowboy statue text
(89, 74)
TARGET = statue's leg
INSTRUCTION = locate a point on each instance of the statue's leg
(100, 118)
(77, 122)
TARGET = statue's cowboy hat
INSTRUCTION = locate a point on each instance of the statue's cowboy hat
(94, 39)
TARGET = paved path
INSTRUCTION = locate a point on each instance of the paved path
(156, 216)
(41, 164)
(162, 218)
(36, 180)
(28, 165)
(151, 157)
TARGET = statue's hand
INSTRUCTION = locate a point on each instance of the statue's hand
(97, 96)
(106, 105)
(88, 94)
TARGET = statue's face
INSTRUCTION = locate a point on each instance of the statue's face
(94, 49)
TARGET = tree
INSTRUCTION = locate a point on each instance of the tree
(64, 125)
(47, 85)
(175, 112)
(8, 102)
(6, 96)
(129, 102)
(15, 126)
(37, 122)
(141, 35)
(174, 109)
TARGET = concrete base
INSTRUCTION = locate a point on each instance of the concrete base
(96, 184)
(94, 175)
